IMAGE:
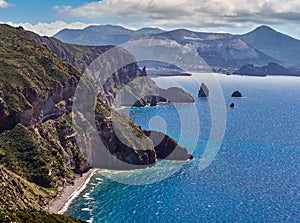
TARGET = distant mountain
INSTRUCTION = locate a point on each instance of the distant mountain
(102, 35)
(147, 31)
(196, 51)
(271, 69)
(191, 51)
(275, 44)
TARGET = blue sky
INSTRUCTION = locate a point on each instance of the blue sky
(36, 11)
(234, 16)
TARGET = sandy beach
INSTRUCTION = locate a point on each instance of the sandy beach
(70, 192)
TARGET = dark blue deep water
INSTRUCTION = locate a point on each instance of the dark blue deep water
(255, 176)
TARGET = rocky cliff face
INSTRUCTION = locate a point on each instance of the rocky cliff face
(36, 90)
(125, 146)
(139, 91)
(167, 148)
(38, 141)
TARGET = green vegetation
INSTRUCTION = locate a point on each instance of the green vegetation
(33, 157)
(34, 216)
(18, 193)
(37, 157)
(28, 68)
(39, 147)
(102, 109)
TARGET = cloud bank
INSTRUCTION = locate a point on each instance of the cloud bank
(4, 4)
(190, 13)
(49, 29)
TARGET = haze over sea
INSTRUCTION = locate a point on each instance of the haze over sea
(255, 176)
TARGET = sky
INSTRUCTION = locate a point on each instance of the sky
(231, 16)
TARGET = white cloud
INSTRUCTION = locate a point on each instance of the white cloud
(49, 29)
(190, 13)
(4, 4)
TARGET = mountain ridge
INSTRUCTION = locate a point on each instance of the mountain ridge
(261, 46)
(102, 35)
(280, 46)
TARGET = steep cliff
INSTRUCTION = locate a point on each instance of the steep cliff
(17, 193)
(126, 86)
(41, 148)
(36, 144)
(167, 148)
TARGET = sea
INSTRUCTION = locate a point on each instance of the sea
(246, 165)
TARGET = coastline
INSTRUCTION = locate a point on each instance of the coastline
(70, 192)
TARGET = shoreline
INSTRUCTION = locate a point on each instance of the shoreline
(70, 192)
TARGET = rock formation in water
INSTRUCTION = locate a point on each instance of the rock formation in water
(203, 92)
(231, 105)
(236, 94)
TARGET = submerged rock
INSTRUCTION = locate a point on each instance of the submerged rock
(203, 92)
(236, 94)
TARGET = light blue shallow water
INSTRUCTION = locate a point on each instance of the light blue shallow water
(255, 176)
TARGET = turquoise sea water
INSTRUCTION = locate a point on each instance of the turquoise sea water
(255, 176)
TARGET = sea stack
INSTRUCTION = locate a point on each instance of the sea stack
(203, 92)
(236, 94)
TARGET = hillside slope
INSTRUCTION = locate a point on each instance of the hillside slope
(196, 50)
(35, 120)
(130, 78)
(275, 44)
(41, 149)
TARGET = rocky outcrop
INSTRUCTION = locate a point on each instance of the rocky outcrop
(231, 105)
(144, 92)
(236, 94)
(203, 92)
(123, 145)
(167, 148)
(176, 95)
